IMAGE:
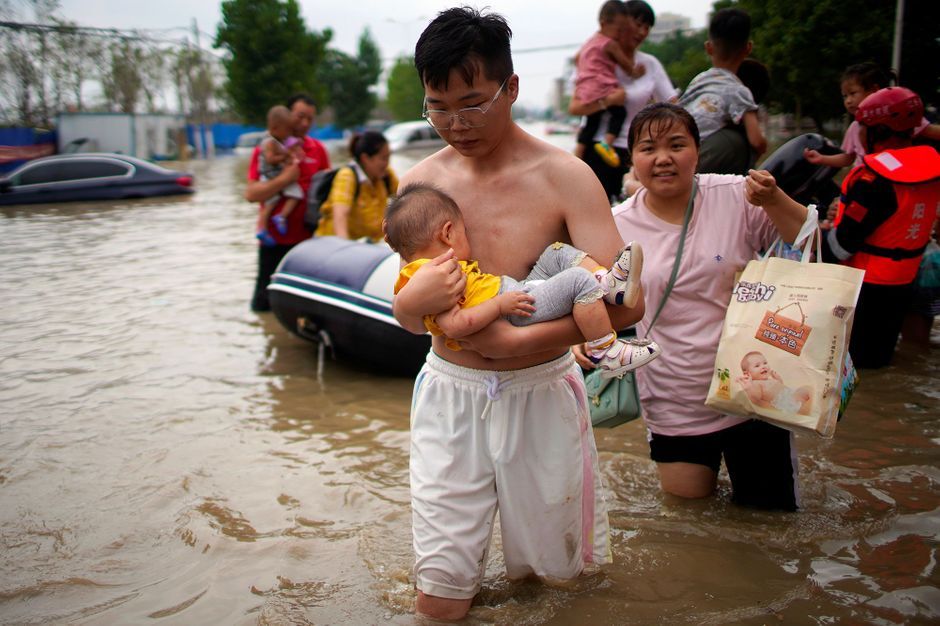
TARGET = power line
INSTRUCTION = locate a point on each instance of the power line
(94, 31)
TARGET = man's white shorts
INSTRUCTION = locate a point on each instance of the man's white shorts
(520, 441)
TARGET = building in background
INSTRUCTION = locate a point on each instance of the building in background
(667, 24)
(143, 135)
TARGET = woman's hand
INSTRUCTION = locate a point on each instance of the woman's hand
(760, 187)
(496, 341)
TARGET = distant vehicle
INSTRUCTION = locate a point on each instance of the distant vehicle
(246, 142)
(412, 135)
(90, 176)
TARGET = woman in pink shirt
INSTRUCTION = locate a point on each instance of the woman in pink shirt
(733, 218)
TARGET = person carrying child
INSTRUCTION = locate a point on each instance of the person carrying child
(278, 149)
(423, 222)
(858, 82)
(597, 80)
(884, 219)
(765, 388)
(717, 98)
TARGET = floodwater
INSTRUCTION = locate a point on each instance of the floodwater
(168, 457)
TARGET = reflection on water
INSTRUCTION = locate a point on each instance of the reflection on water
(167, 455)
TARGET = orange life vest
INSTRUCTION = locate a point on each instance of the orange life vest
(891, 254)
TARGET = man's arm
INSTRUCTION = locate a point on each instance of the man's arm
(261, 190)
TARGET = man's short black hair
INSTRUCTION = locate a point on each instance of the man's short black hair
(464, 39)
(640, 11)
(300, 97)
(729, 32)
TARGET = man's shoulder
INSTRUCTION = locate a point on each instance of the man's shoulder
(313, 144)
(431, 168)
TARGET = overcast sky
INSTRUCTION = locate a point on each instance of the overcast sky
(395, 26)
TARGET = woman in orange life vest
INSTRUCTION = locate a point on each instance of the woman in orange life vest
(884, 220)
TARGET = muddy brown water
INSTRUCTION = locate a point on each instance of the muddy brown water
(168, 457)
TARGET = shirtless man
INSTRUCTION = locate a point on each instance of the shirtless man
(503, 423)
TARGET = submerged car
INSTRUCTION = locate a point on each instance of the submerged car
(90, 176)
(412, 135)
(246, 142)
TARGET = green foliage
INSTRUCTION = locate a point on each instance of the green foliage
(349, 80)
(806, 44)
(405, 91)
(682, 55)
(271, 55)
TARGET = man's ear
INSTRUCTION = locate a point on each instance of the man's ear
(512, 87)
(750, 46)
(709, 48)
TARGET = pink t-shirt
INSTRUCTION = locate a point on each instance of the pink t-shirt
(852, 141)
(596, 70)
(724, 234)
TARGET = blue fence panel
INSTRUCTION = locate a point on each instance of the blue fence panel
(18, 145)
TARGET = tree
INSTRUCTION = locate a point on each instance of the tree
(270, 54)
(122, 81)
(806, 44)
(405, 91)
(683, 56)
(78, 58)
(349, 81)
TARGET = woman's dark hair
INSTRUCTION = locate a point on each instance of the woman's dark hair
(640, 11)
(869, 75)
(368, 143)
(658, 118)
(464, 39)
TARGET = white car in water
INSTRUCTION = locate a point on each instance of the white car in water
(417, 135)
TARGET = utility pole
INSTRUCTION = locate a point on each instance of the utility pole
(200, 104)
(898, 33)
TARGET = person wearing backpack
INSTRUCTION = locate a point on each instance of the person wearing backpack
(360, 191)
(270, 252)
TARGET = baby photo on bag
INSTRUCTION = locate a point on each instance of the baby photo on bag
(783, 355)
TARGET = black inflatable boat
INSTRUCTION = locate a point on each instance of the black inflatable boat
(338, 293)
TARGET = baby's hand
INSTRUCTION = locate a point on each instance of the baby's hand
(516, 303)
(775, 375)
(760, 187)
(638, 70)
(745, 380)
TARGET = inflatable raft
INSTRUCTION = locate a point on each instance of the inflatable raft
(338, 293)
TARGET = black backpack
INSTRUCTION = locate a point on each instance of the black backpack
(320, 186)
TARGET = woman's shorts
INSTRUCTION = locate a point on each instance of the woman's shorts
(760, 457)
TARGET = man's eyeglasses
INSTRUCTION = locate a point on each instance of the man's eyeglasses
(471, 117)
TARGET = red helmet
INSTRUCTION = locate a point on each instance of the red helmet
(897, 108)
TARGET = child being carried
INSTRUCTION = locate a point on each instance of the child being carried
(424, 222)
(278, 148)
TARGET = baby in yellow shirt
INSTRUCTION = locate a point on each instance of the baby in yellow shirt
(424, 222)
